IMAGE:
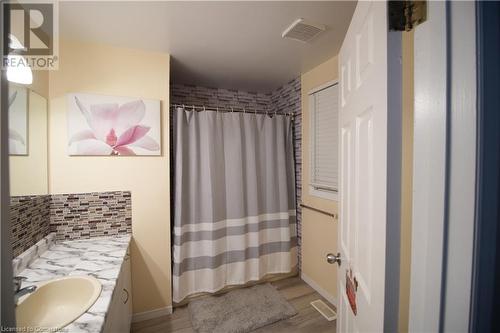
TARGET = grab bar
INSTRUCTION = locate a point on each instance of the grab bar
(332, 215)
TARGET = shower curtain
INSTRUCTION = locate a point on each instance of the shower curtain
(234, 218)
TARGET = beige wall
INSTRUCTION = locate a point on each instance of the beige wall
(101, 69)
(319, 232)
(40, 83)
(28, 173)
(406, 181)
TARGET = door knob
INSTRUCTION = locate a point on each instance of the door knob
(332, 258)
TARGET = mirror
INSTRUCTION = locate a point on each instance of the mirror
(27, 141)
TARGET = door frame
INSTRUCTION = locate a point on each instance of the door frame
(445, 202)
(486, 266)
(394, 174)
(429, 169)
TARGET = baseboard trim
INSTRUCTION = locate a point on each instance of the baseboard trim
(146, 315)
(320, 290)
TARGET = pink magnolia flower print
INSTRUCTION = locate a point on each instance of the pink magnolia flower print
(113, 129)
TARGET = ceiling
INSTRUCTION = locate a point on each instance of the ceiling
(225, 44)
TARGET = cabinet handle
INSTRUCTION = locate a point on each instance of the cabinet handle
(126, 293)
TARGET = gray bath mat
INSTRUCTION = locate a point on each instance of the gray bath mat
(239, 311)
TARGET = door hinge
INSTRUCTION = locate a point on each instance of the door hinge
(405, 15)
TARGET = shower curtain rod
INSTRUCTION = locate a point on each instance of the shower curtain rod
(200, 108)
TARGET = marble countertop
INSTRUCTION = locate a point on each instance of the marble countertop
(100, 257)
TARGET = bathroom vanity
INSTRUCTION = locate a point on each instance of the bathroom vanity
(105, 258)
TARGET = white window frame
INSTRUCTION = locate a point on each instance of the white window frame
(315, 190)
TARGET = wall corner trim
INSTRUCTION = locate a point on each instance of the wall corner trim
(146, 315)
(319, 289)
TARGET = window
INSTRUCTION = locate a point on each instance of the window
(323, 106)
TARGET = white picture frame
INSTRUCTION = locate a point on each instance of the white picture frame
(102, 125)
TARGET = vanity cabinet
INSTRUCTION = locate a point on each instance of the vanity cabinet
(119, 313)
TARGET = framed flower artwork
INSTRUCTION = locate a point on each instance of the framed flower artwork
(18, 120)
(111, 125)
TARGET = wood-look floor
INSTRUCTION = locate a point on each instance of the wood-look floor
(296, 291)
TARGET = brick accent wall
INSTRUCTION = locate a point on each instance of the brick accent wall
(285, 99)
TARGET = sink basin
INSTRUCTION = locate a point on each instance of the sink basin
(57, 303)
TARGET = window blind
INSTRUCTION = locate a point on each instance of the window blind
(324, 139)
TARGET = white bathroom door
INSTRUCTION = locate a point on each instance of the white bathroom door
(363, 122)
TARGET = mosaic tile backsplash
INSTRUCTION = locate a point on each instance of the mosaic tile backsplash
(285, 99)
(30, 218)
(213, 97)
(70, 216)
(86, 215)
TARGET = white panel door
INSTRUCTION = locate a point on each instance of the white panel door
(363, 167)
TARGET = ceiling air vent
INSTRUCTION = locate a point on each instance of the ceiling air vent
(303, 30)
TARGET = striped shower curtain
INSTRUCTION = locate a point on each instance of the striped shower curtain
(234, 210)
